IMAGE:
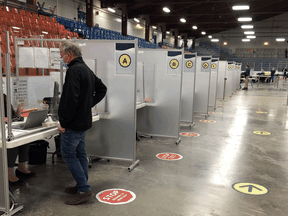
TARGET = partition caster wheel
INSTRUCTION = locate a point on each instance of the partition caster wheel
(178, 141)
(89, 166)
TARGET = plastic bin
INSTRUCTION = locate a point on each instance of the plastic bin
(38, 152)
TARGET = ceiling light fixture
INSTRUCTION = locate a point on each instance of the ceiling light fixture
(225, 43)
(241, 7)
(14, 27)
(249, 32)
(203, 33)
(154, 27)
(167, 10)
(251, 36)
(138, 26)
(194, 27)
(167, 32)
(210, 36)
(111, 10)
(137, 20)
(183, 20)
(43, 32)
(247, 26)
(280, 39)
(244, 19)
(214, 40)
(266, 43)
(245, 40)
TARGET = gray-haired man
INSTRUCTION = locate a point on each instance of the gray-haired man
(81, 91)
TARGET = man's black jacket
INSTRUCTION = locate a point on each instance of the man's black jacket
(81, 91)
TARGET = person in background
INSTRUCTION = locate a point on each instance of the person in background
(272, 74)
(22, 151)
(81, 91)
(286, 52)
(247, 74)
(284, 70)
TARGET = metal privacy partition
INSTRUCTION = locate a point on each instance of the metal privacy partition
(202, 84)
(221, 79)
(8, 205)
(234, 77)
(213, 82)
(113, 137)
(188, 88)
(4, 187)
(238, 75)
(163, 80)
(230, 81)
(140, 90)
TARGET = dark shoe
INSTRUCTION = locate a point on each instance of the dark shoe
(80, 197)
(245, 88)
(16, 183)
(19, 173)
(71, 190)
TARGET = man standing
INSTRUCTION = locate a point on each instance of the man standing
(81, 91)
(247, 74)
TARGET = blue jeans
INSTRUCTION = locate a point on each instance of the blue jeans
(74, 154)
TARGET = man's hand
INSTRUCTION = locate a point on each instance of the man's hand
(62, 130)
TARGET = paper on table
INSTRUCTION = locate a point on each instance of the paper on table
(41, 57)
(26, 57)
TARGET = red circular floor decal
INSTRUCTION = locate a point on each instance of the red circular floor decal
(116, 196)
(169, 156)
(207, 121)
(189, 134)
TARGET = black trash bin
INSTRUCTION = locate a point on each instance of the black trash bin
(38, 152)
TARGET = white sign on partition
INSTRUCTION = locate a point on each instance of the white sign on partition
(41, 57)
(20, 90)
(55, 58)
(189, 63)
(174, 62)
(230, 66)
(125, 59)
(214, 65)
(26, 57)
(205, 64)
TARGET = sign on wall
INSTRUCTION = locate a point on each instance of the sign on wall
(125, 58)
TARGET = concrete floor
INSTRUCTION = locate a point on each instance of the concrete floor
(200, 184)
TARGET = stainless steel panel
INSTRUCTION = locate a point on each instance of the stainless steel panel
(202, 85)
(188, 89)
(162, 118)
(140, 94)
(234, 77)
(149, 71)
(114, 136)
(221, 77)
(213, 82)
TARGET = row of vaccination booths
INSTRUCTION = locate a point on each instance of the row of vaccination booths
(150, 92)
